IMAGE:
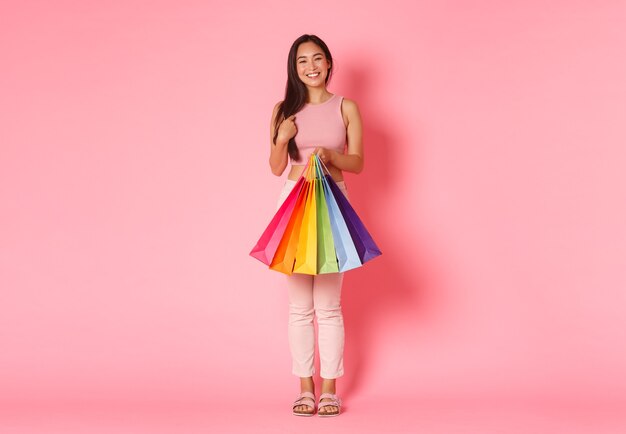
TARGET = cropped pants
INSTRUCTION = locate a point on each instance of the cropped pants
(318, 296)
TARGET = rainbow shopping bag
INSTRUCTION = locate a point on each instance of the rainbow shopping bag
(316, 230)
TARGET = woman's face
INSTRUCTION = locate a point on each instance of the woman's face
(311, 64)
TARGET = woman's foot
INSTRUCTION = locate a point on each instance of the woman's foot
(306, 385)
(328, 386)
(306, 400)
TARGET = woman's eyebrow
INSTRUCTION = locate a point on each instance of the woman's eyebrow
(299, 57)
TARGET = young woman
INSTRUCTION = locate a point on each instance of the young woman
(312, 120)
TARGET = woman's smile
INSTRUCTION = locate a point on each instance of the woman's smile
(312, 64)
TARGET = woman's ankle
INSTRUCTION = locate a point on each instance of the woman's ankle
(307, 384)
(329, 386)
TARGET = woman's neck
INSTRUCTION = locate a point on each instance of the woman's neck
(318, 95)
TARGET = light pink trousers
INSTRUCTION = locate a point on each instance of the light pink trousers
(318, 296)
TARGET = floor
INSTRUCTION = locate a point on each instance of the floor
(360, 415)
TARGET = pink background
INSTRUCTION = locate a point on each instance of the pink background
(134, 180)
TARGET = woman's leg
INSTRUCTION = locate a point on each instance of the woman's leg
(327, 303)
(300, 329)
(301, 332)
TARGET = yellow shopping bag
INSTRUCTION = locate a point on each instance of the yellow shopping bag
(306, 252)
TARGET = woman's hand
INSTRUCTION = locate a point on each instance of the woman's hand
(326, 155)
(286, 130)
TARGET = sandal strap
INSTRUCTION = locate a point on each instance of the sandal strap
(306, 395)
(305, 398)
(329, 403)
(297, 403)
(335, 401)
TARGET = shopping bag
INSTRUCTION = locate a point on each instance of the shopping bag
(365, 245)
(266, 246)
(285, 255)
(345, 250)
(326, 256)
(315, 230)
(306, 252)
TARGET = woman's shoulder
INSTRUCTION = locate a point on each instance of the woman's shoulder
(277, 106)
(349, 105)
(276, 109)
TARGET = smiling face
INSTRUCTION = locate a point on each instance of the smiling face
(311, 64)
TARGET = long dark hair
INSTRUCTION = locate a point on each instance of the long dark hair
(295, 90)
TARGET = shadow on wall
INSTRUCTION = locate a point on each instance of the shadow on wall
(391, 282)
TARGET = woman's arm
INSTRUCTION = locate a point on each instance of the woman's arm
(278, 151)
(352, 161)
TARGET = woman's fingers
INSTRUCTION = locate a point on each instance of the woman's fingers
(289, 126)
(321, 154)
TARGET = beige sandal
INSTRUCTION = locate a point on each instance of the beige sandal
(335, 402)
(309, 397)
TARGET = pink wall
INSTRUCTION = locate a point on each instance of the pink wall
(134, 180)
